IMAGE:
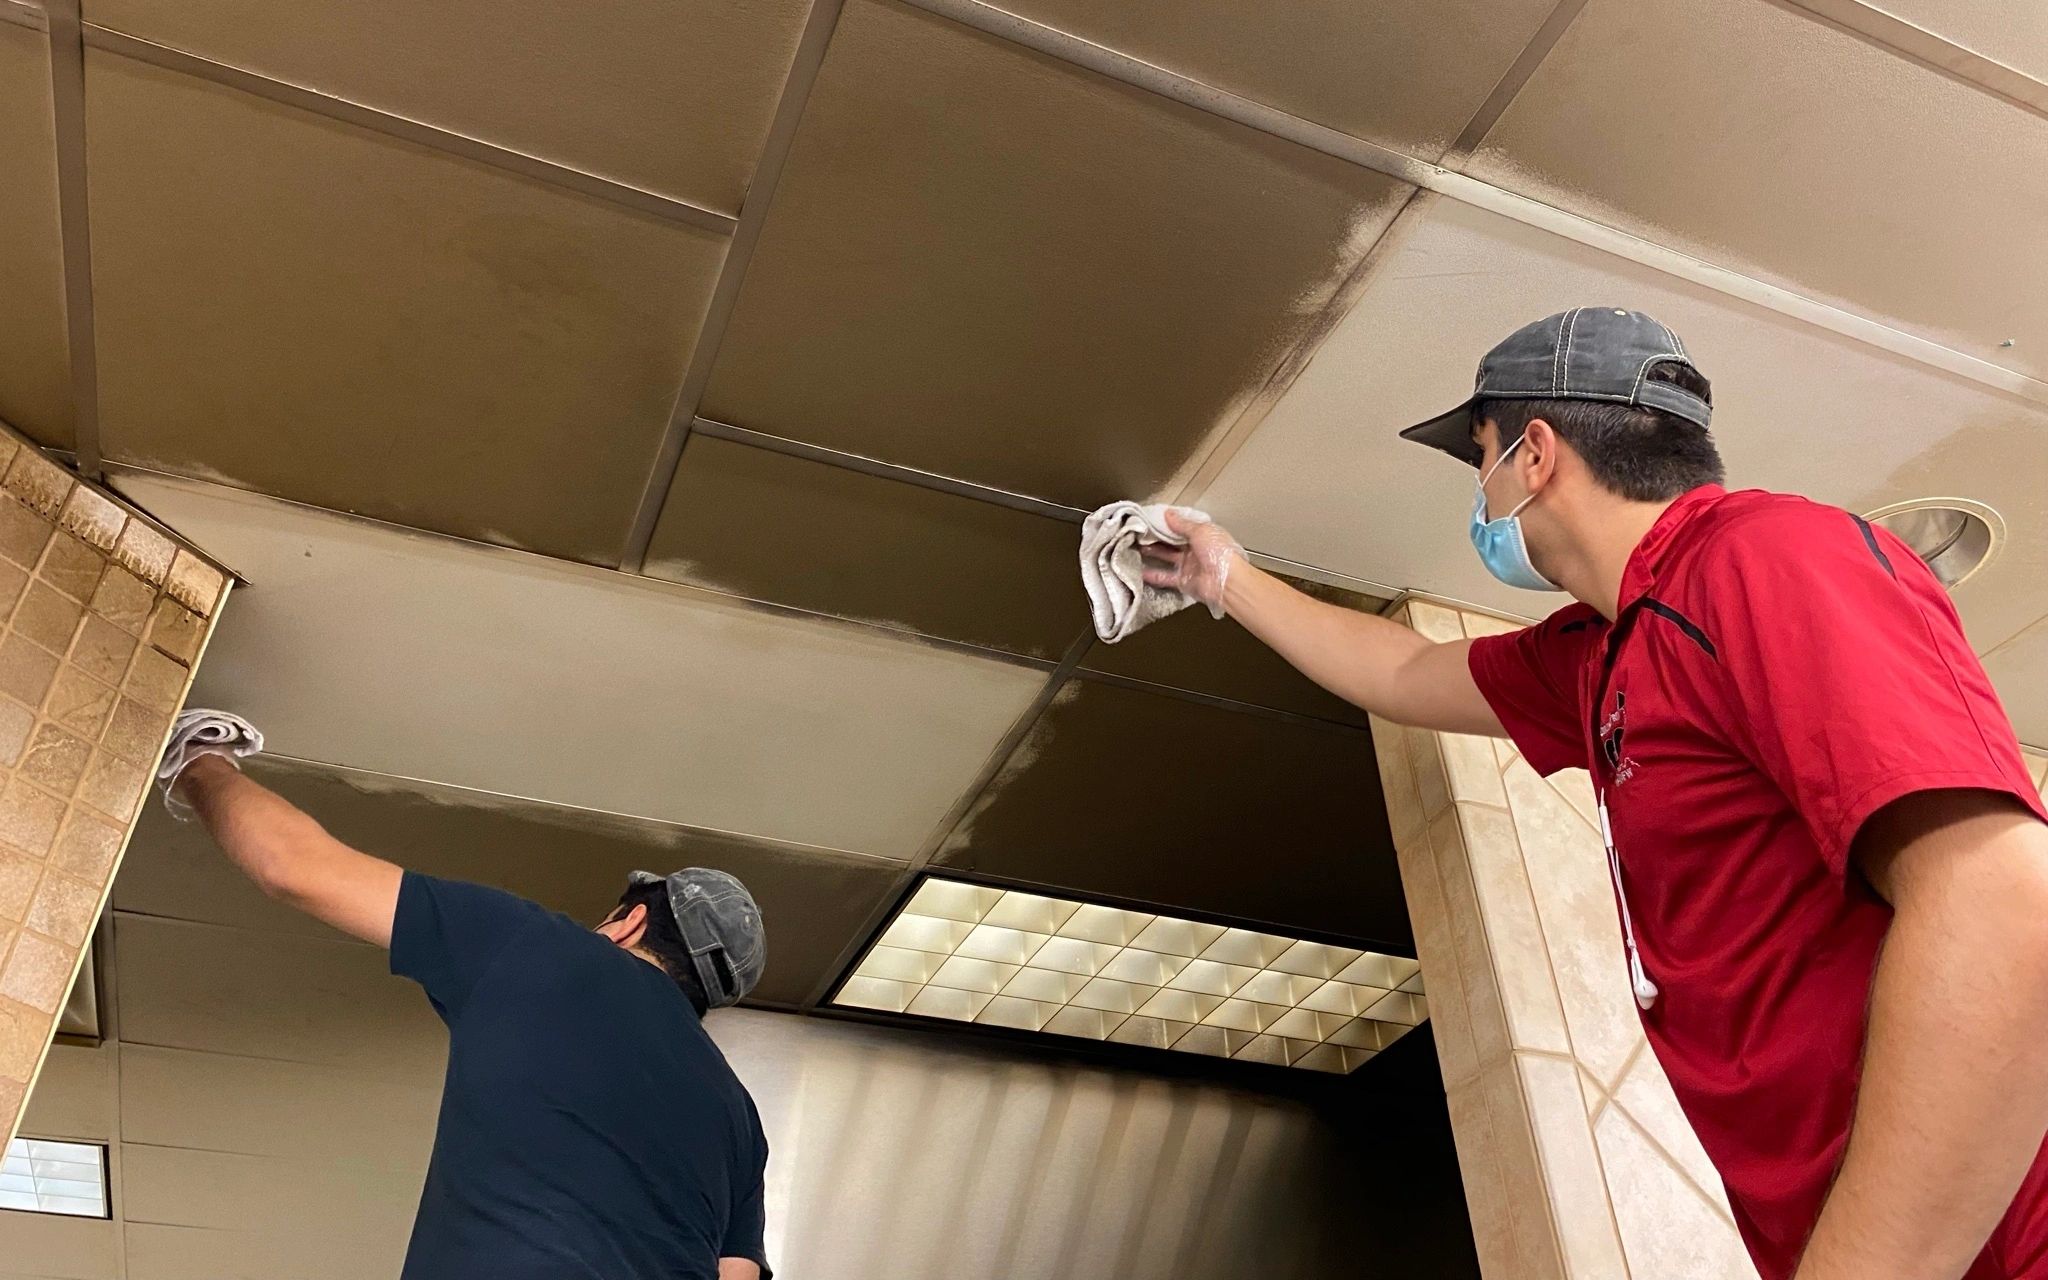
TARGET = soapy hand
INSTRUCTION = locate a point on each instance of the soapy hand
(1201, 569)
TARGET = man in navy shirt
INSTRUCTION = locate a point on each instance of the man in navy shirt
(589, 1129)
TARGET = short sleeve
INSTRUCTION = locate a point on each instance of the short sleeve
(1848, 678)
(447, 932)
(1530, 679)
(747, 1226)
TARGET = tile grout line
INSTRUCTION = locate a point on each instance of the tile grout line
(804, 70)
(74, 228)
(330, 107)
(1621, 1108)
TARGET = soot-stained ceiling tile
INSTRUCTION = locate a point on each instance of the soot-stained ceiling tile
(673, 96)
(1765, 139)
(1193, 651)
(989, 265)
(311, 310)
(1407, 74)
(1128, 794)
(813, 901)
(35, 368)
(819, 537)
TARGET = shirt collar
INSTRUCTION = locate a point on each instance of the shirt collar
(1655, 549)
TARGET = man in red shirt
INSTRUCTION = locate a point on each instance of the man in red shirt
(1829, 858)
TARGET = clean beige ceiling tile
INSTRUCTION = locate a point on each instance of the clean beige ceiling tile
(312, 310)
(1761, 138)
(2014, 34)
(1290, 832)
(670, 95)
(340, 1200)
(258, 1106)
(796, 532)
(426, 658)
(1053, 283)
(1406, 74)
(155, 1251)
(813, 903)
(1325, 479)
(35, 368)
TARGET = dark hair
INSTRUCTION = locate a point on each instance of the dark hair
(664, 941)
(1644, 455)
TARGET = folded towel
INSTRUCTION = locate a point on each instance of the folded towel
(1113, 570)
(197, 733)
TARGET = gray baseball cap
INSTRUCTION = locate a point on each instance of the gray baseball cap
(721, 925)
(1587, 353)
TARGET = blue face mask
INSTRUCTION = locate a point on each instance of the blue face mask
(1499, 542)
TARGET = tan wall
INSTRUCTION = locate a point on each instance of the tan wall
(105, 617)
(271, 1094)
(1576, 1159)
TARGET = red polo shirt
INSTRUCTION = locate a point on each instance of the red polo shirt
(1779, 671)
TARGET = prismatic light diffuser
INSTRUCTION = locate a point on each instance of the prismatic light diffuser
(1000, 957)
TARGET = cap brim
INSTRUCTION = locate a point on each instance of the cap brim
(1450, 432)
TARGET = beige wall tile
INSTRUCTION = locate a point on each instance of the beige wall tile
(145, 552)
(1405, 819)
(45, 616)
(1485, 624)
(29, 818)
(1667, 1228)
(56, 759)
(22, 1031)
(1471, 944)
(64, 907)
(1472, 769)
(18, 876)
(23, 533)
(1573, 1178)
(81, 703)
(1646, 1095)
(123, 599)
(16, 723)
(40, 483)
(26, 670)
(13, 581)
(87, 846)
(94, 517)
(72, 567)
(1487, 1196)
(1435, 622)
(38, 973)
(1567, 868)
(1450, 1020)
(1426, 761)
(1530, 1206)
(1520, 953)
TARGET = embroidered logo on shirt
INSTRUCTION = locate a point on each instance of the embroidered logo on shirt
(1612, 732)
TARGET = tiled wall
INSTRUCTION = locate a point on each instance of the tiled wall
(105, 619)
(1577, 1162)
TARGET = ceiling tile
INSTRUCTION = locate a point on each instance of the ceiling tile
(1193, 651)
(813, 902)
(365, 645)
(1244, 816)
(1407, 74)
(313, 310)
(2016, 35)
(797, 532)
(672, 96)
(1326, 481)
(1761, 138)
(990, 265)
(35, 368)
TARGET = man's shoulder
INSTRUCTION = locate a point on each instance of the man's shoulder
(1754, 526)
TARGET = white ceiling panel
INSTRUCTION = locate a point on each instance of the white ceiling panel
(1758, 136)
(2014, 34)
(2020, 670)
(369, 646)
(1325, 480)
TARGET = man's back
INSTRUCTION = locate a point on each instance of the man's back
(589, 1127)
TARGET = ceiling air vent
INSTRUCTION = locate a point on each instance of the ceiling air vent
(1955, 536)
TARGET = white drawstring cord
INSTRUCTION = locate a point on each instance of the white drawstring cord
(1639, 978)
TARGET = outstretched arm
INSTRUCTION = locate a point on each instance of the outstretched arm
(1369, 662)
(289, 855)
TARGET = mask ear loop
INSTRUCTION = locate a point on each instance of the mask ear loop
(1497, 464)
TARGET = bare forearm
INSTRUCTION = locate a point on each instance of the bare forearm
(1369, 662)
(1954, 1101)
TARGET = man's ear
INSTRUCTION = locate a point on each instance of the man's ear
(626, 930)
(1538, 462)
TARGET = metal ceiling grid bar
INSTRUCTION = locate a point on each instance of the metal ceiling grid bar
(1897, 36)
(887, 470)
(330, 107)
(1513, 79)
(20, 13)
(1072, 49)
(789, 110)
(74, 229)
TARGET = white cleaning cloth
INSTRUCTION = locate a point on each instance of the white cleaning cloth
(199, 733)
(1113, 570)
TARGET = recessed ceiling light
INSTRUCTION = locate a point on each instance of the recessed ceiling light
(1955, 536)
(68, 1178)
(999, 957)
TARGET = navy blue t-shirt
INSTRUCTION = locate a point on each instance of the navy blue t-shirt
(589, 1129)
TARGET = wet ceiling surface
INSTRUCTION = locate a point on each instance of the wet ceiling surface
(659, 437)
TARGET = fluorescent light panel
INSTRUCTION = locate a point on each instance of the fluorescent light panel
(999, 957)
(67, 1178)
